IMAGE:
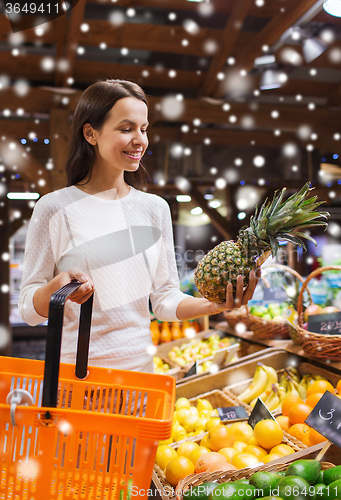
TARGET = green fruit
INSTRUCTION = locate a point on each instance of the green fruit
(295, 488)
(201, 492)
(281, 473)
(233, 491)
(332, 474)
(258, 310)
(332, 491)
(306, 469)
(320, 479)
(319, 487)
(270, 498)
(265, 482)
(243, 481)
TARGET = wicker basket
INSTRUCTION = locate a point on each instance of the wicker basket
(324, 347)
(268, 329)
(237, 316)
(224, 477)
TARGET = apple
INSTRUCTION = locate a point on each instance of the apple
(312, 309)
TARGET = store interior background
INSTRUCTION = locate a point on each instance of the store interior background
(217, 136)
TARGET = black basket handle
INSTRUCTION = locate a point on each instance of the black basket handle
(54, 340)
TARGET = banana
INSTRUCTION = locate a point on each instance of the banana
(283, 382)
(272, 401)
(256, 387)
(262, 396)
(300, 389)
(272, 376)
(304, 381)
(293, 373)
(318, 377)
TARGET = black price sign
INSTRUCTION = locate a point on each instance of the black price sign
(232, 413)
(192, 371)
(325, 418)
(274, 294)
(259, 412)
(327, 324)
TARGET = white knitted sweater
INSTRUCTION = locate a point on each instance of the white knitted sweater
(126, 247)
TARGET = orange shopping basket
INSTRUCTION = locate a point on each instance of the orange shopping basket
(78, 432)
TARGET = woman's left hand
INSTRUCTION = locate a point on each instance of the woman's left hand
(241, 297)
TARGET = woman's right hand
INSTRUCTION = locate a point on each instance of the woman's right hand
(82, 293)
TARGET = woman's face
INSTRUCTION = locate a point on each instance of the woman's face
(122, 141)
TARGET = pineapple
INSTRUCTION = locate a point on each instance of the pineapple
(276, 221)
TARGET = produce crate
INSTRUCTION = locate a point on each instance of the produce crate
(218, 399)
(174, 370)
(228, 476)
(239, 350)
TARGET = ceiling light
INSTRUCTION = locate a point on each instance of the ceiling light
(333, 7)
(268, 59)
(215, 203)
(312, 48)
(196, 211)
(183, 198)
(23, 196)
(270, 79)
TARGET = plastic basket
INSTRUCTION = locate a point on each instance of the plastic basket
(90, 433)
(324, 347)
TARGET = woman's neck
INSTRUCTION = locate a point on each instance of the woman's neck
(105, 188)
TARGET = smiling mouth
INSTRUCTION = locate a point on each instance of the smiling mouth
(135, 155)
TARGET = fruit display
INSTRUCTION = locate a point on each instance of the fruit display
(302, 479)
(160, 366)
(195, 349)
(317, 309)
(274, 222)
(274, 311)
(162, 332)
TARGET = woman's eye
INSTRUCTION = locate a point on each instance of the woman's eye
(144, 131)
(126, 130)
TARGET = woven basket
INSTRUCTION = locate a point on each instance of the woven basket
(324, 347)
(237, 316)
(224, 477)
(268, 329)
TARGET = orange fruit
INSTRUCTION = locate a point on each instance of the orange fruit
(320, 386)
(164, 454)
(338, 387)
(306, 439)
(313, 399)
(298, 413)
(228, 453)
(221, 466)
(196, 454)
(185, 448)
(204, 441)
(239, 445)
(288, 401)
(284, 422)
(208, 459)
(178, 468)
(219, 437)
(257, 451)
(271, 457)
(299, 430)
(252, 441)
(315, 437)
(241, 431)
(281, 449)
(268, 433)
(241, 460)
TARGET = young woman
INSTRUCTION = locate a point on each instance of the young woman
(114, 238)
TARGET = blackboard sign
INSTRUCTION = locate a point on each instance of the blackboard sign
(327, 324)
(192, 371)
(259, 412)
(232, 413)
(274, 294)
(325, 418)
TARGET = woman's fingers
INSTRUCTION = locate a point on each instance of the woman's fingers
(85, 290)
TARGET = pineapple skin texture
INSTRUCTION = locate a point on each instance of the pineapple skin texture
(221, 266)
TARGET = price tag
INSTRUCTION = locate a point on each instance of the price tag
(325, 418)
(274, 294)
(232, 413)
(192, 371)
(327, 324)
(259, 412)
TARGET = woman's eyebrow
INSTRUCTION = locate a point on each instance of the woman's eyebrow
(133, 123)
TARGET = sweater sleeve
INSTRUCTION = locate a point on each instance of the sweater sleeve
(43, 239)
(166, 295)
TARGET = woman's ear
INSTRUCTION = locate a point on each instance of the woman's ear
(89, 134)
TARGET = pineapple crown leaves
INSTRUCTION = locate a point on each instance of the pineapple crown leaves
(280, 220)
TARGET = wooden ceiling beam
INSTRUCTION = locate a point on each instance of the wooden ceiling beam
(268, 36)
(59, 35)
(227, 41)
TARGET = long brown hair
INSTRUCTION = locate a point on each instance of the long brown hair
(94, 107)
